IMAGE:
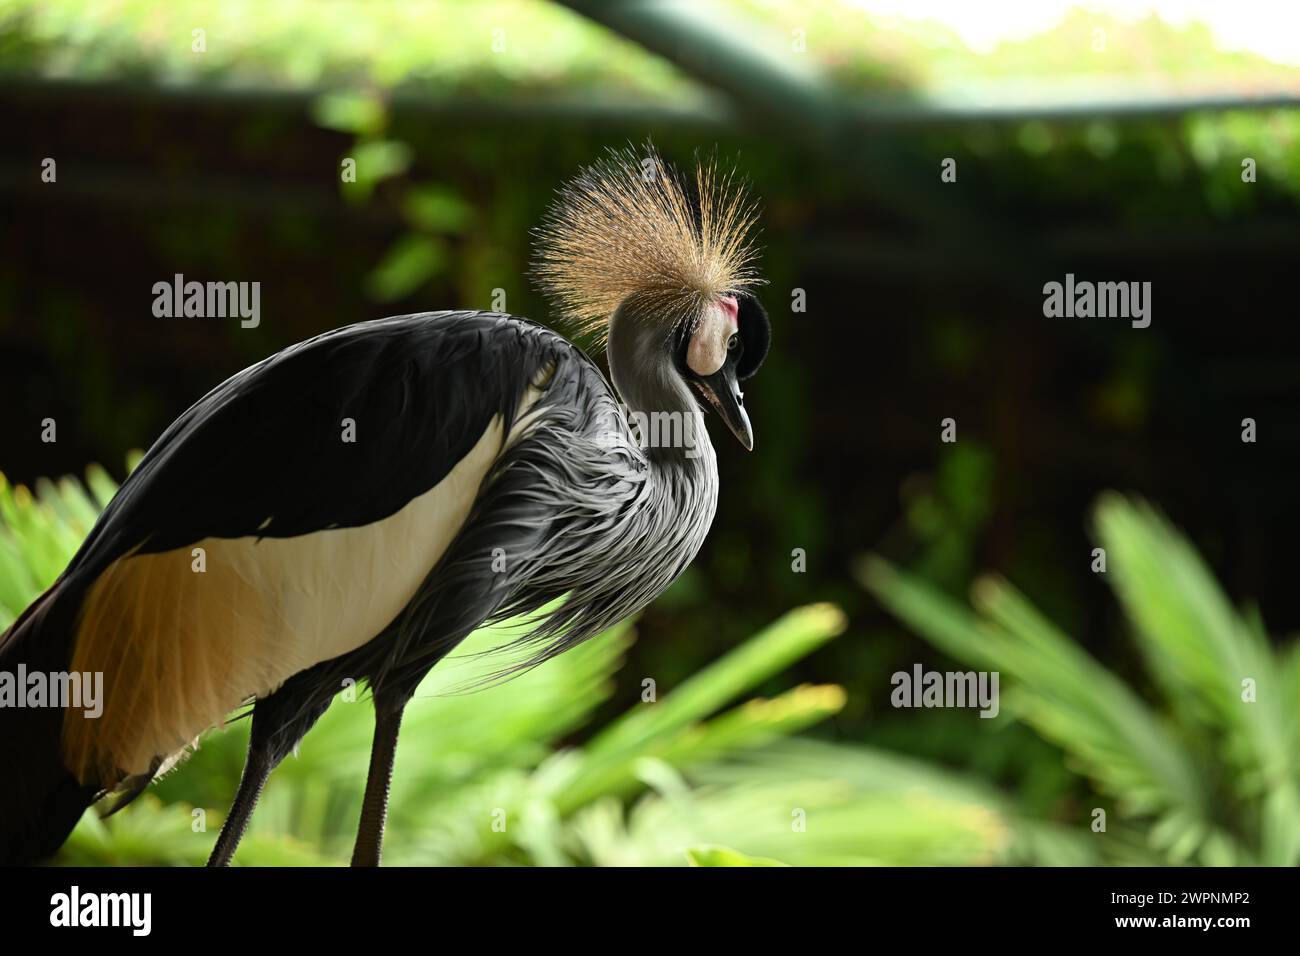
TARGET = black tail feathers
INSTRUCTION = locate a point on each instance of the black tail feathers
(40, 801)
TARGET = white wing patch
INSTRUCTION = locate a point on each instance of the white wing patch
(181, 648)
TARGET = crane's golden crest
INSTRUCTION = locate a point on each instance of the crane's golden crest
(625, 230)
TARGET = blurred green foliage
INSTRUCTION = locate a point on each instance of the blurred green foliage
(1211, 775)
(494, 46)
(451, 47)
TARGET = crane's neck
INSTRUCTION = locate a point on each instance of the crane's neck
(660, 404)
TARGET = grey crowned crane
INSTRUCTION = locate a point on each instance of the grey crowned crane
(493, 472)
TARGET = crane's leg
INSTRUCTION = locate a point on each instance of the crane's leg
(259, 763)
(279, 722)
(374, 806)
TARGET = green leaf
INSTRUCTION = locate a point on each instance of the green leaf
(725, 856)
(408, 264)
(358, 113)
(438, 209)
(792, 637)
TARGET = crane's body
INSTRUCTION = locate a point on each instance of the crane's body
(349, 510)
(254, 580)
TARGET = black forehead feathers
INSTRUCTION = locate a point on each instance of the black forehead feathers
(755, 335)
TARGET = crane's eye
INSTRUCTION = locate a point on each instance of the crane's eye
(733, 342)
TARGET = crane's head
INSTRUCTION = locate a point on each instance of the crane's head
(627, 247)
(722, 349)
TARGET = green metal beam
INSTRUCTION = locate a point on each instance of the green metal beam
(779, 92)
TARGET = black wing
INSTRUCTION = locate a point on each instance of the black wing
(264, 452)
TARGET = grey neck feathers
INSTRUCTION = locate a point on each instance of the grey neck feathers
(660, 404)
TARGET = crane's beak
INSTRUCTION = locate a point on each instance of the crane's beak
(724, 394)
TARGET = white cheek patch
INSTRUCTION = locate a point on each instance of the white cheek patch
(708, 347)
